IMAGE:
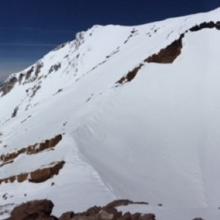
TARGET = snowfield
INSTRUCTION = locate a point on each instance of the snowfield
(153, 136)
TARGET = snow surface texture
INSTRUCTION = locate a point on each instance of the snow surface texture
(155, 138)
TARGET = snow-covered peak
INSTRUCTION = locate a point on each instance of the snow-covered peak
(119, 112)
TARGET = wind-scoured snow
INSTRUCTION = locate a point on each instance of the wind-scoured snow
(152, 138)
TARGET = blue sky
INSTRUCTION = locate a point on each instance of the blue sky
(31, 28)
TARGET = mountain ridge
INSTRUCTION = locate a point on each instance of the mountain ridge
(136, 110)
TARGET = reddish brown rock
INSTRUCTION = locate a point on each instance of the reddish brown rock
(130, 75)
(32, 149)
(41, 210)
(35, 210)
(22, 177)
(42, 175)
(37, 176)
(206, 25)
(168, 54)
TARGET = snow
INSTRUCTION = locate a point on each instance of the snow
(154, 139)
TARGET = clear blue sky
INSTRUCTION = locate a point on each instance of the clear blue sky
(30, 28)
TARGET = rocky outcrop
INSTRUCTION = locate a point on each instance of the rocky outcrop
(41, 175)
(173, 50)
(34, 90)
(37, 176)
(29, 76)
(168, 54)
(206, 25)
(123, 202)
(130, 75)
(28, 73)
(42, 209)
(38, 69)
(8, 86)
(35, 210)
(54, 67)
(32, 149)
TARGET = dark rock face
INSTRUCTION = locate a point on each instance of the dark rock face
(48, 144)
(41, 175)
(37, 176)
(55, 67)
(123, 202)
(172, 51)
(130, 75)
(168, 54)
(35, 210)
(42, 209)
(205, 25)
(26, 77)
(8, 86)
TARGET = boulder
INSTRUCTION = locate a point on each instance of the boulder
(35, 210)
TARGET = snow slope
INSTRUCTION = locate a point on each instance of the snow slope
(152, 138)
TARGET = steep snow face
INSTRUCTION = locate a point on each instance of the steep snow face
(137, 112)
